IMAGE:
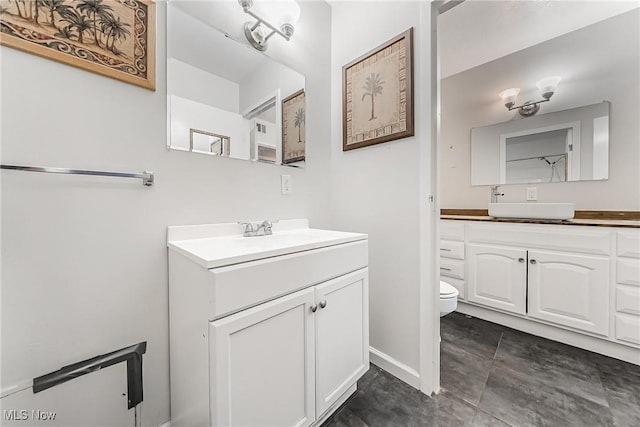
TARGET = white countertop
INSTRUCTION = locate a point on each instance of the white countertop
(217, 245)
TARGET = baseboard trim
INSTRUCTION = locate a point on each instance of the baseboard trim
(395, 368)
(554, 333)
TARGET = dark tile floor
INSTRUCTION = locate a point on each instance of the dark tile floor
(492, 375)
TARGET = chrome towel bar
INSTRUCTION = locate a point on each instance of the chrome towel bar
(146, 176)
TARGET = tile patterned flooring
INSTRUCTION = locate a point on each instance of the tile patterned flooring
(492, 375)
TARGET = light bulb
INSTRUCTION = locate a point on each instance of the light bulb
(278, 12)
(289, 15)
(509, 96)
(548, 86)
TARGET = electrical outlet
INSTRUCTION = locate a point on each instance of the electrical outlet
(285, 184)
(532, 193)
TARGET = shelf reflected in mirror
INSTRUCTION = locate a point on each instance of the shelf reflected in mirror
(209, 143)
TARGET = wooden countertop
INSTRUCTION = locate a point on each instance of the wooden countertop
(629, 219)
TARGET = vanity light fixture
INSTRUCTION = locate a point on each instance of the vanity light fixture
(547, 87)
(272, 16)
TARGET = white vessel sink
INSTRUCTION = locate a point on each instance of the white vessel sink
(557, 211)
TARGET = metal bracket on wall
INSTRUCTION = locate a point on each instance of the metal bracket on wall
(132, 355)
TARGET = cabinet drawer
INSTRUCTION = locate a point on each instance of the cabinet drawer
(628, 299)
(629, 244)
(628, 328)
(452, 230)
(449, 249)
(244, 285)
(575, 239)
(628, 272)
(452, 268)
(456, 283)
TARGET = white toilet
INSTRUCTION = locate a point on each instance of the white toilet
(448, 298)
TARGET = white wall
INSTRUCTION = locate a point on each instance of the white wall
(508, 26)
(377, 189)
(187, 114)
(198, 85)
(272, 75)
(84, 259)
(599, 62)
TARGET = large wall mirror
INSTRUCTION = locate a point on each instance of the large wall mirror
(569, 145)
(226, 99)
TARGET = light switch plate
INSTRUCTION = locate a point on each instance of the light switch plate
(285, 183)
(532, 193)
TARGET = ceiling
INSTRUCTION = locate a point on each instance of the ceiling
(197, 40)
(479, 31)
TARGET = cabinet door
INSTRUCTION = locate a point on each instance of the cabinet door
(497, 277)
(570, 290)
(262, 364)
(342, 336)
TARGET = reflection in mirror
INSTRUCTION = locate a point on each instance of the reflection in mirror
(540, 155)
(569, 145)
(209, 143)
(224, 97)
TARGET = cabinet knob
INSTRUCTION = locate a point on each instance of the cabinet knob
(323, 304)
(314, 307)
(533, 261)
(520, 259)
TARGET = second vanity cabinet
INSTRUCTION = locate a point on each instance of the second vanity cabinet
(497, 277)
(452, 256)
(584, 279)
(563, 288)
(627, 289)
(265, 331)
(569, 289)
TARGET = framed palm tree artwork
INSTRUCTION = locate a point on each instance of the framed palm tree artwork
(293, 128)
(377, 98)
(115, 38)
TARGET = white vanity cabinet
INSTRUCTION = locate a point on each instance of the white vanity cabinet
(579, 284)
(497, 277)
(341, 336)
(278, 338)
(452, 251)
(627, 289)
(262, 363)
(566, 289)
(264, 357)
(570, 290)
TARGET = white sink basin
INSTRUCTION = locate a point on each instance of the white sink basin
(555, 211)
(217, 245)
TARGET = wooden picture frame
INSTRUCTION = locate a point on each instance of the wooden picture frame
(115, 38)
(293, 128)
(377, 97)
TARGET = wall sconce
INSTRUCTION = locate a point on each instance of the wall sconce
(284, 13)
(547, 87)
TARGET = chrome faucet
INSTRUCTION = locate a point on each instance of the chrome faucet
(495, 193)
(252, 229)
